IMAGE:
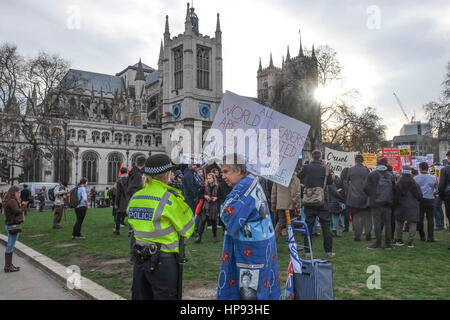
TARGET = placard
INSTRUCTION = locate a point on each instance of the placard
(269, 141)
(338, 160)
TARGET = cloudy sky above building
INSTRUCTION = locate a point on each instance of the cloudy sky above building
(384, 46)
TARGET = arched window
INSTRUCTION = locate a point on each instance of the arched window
(105, 137)
(32, 165)
(72, 133)
(82, 135)
(203, 68)
(158, 141)
(139, 140)
(95, 136)
(127, 138)
(114, 162)
(44, 132)
(56, 132)
(89, 167)
(178, 67)
(58, 166)
(118, 138)
(148, 140)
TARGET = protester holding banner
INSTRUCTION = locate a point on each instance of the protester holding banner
(357, 199)
(315, 176)
(380, 187)
(249, 258)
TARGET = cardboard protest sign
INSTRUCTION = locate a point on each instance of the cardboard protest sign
(430, 158)
(370, 160)
(269, 141)
(338, 160)
(405, 155)
(392, 154)
(437, 170)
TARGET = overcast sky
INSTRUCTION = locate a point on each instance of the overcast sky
(384, 46)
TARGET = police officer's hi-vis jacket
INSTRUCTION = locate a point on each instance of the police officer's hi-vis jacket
(158, 214)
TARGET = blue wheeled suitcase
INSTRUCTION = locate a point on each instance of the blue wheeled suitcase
(316, 280)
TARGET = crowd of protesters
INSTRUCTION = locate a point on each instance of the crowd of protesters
(373, 201)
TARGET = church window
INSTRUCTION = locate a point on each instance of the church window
(72, 133)
(127, 138)
(115, 160)
(89, 167)
(82, 135)
(43, 131)
(139, 139)
(118, 138)
(105, 137)
(158, 141)
(203, 68)
(178, 67)
(148, 140)
(95, 136)
(56, 132)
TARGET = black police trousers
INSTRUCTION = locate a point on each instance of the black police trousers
(161, 284)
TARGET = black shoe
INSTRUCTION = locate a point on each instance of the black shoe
(198, 240)
(431, 240)
(410, 244)
(357, 240)
(398, 243)
(422, 239)
(388, 247)
(215, 239)
(368, 238)
(345, 230)
(374, 247)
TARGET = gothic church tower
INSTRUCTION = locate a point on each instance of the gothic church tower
(191, 67)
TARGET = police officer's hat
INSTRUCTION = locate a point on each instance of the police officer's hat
(157, 164)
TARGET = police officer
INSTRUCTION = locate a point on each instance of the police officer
(159, 217)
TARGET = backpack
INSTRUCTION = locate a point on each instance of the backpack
(316, 196)
(73, 198)
(384, 195)
(51, 194)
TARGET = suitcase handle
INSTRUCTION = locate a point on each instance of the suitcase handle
(295, 226)
(304, 230)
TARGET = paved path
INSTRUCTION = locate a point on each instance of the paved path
(30, 283)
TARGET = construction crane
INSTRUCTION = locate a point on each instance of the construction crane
(403, 110)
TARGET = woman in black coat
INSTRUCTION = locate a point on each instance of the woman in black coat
(407, 206)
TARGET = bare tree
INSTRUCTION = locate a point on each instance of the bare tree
(438, 113)
(32, 94)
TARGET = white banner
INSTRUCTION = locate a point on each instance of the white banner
(269, 141)
(430, 158)
(338, 160)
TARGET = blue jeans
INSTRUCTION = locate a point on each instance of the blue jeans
(336, 219)
(12, 238)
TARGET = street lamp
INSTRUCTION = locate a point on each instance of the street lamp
(65, 122)
(13, 148)
(77, 150)
(76, 158)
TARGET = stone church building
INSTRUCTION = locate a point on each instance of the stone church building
(112, 119)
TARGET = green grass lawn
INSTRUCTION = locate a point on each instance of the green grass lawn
(419, 273)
